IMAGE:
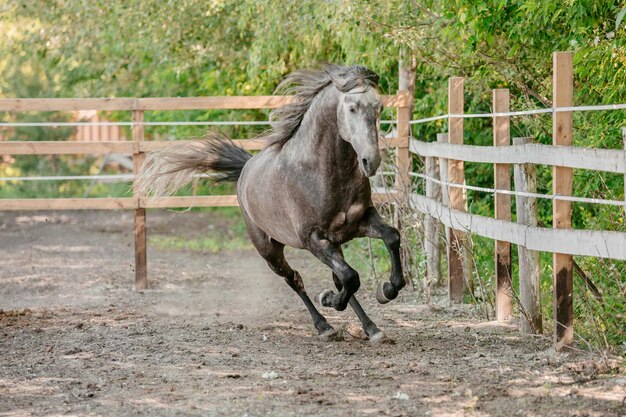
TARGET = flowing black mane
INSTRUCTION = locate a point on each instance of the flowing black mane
(305, 85)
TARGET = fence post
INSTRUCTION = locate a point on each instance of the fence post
(525, 177)
(431, 228)
(403, 168)
(562, 135)
(141, 260)
(502, 181)
(445, 190)
(456, 175)
(443, 171)
(403, 156)
(624, 140)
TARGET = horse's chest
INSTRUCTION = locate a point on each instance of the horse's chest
(346, 222)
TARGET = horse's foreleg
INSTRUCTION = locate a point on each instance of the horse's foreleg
(374, 334)
(331, 255)
(373, 226)
(371, 330)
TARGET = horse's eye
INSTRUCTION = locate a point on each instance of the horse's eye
(352, 110)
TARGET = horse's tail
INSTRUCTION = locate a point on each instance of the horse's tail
(166, 171)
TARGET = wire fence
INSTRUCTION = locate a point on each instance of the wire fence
(520, 193)
(131, 124)
(130, 177)
(127, 177)
(601, 107)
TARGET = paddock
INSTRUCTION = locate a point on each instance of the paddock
(79, 339)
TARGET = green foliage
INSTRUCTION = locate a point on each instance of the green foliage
(370, 258)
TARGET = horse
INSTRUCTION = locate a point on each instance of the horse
(308, 188)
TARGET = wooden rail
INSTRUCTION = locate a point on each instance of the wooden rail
(108, 203)
(139, 146)
(560, 240)
(128, 147)
(162, 103)
(607, 160)
(596, 243)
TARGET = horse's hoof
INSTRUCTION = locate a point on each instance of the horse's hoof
(386, 292)
(381, 338)
(324, 298)
(332, 335)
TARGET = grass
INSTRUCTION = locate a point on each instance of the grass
(358, 252)
(229, 234)
(210, 244)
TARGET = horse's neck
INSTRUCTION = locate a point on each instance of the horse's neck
(318, 145)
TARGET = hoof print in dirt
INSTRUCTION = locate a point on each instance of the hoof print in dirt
(381, 338)
(356, 332)
(332, 335)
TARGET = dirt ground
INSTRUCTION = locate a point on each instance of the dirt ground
(217, 334)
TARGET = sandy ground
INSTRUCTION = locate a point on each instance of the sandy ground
(220, 335)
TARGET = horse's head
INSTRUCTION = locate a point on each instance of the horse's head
(358, 120)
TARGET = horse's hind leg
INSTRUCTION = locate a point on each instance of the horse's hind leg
(331, 255)
(276, 260)
(273, 252)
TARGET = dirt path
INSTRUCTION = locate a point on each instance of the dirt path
(220, 335)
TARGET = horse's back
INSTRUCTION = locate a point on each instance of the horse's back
(265, 198)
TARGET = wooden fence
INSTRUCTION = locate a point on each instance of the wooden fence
(137, 147)
(561, 240)
(96, 130)
(447, 155)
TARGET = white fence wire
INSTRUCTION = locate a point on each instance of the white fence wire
(131, 124)
(520, 193)
(600, 107)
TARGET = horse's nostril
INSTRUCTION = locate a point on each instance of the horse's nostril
(365, 164)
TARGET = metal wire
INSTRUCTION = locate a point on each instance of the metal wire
(113, 177)
(520, 193)
(130, 124)
(523, 112)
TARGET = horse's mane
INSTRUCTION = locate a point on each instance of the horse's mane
(305, 85)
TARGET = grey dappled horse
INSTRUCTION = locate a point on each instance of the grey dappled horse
(309, 187)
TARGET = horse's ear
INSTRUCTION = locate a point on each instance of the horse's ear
(335, 73)
(346, 78)
(338, 82)
(370, 77)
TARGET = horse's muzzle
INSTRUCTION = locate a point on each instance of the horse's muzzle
(369, 166)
